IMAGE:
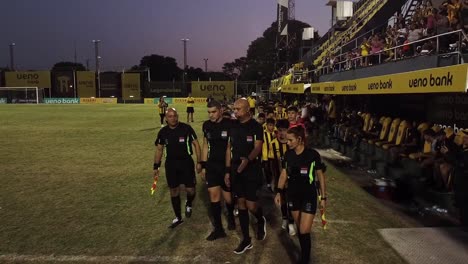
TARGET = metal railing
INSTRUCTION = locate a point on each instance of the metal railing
(354, 63)
(352, 30)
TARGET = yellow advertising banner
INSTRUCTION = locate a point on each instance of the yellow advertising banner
(98, 100)
(180, 100)
(296, 88)
(275, 84)
(449, 79)
(149, 100)
(217, 89)
(39, 79)
(131, 86)
(86, 84)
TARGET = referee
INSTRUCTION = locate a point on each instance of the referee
(243, 170)
(302, 168)
(215, 131)
(179, 139)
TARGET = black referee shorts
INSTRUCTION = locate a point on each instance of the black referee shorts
(247, 183)
(214, 176)
(180, 172)
(190, 110)
(302, 198)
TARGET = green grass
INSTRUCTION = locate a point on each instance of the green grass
(75, 180)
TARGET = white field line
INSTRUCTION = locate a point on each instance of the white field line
(102, 259)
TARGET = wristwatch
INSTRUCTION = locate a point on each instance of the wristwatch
(323, 198)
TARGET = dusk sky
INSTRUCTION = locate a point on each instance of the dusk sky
(221, 30)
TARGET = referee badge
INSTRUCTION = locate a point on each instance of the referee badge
(304, 171)
(249, 139)
(224, 134)
(181, 139)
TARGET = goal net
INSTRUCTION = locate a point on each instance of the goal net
(21, 95)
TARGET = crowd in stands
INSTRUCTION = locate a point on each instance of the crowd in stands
(426, 21)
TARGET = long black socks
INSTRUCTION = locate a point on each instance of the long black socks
(176, 206)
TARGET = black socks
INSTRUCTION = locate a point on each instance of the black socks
(216, 212)
(176, 206)
(244, 223)
(304, 240)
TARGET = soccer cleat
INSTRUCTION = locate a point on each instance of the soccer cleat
(231, 223)
(292, 229)
(176, 222)
(243, 246)
(188, 211)
(284, 224)
(261, 229)
(215, 234)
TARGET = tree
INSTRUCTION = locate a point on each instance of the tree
(162, 68)
(259, 63)
(68, 66)
(195, 74)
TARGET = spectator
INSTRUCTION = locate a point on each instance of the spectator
(442, 26)
(365, 48)
(376, 47)
(431, 22)
(442, 165)
(453, 8)
(464, 15)
(414, 34)
(459, 158)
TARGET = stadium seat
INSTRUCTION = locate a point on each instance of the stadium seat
(383, 132)
(459, 138)
(401, 135)
(391, 134)
(449, 132)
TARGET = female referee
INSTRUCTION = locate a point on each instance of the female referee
(303, 170)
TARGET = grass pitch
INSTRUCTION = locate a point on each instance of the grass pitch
(75, 180)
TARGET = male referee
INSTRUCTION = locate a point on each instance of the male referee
(243, 170)
(215, 131)
(178, 138)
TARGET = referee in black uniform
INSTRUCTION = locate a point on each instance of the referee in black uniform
(243, 170)
(179, 140)
(303, 168)
(215, 131)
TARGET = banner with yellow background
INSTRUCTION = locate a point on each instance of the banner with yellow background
(39, 79)
(98, 100)
(449, 79)
(296, 88)
(217, 89)
(86, 84)
(131, 86)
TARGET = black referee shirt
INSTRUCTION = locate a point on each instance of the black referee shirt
(177, 141)
(243, 136)
(302, 168)
(217, 135)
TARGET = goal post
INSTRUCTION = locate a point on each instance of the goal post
(22, 95)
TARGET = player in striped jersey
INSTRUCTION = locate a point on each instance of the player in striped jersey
(162, 106)
(280, 113)
(268, 136)
(278, 148)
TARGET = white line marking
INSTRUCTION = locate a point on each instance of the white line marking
(102, 259)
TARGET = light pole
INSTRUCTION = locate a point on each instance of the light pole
(206, 64)
(12, 56)
(98, 71)
(184, 40)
